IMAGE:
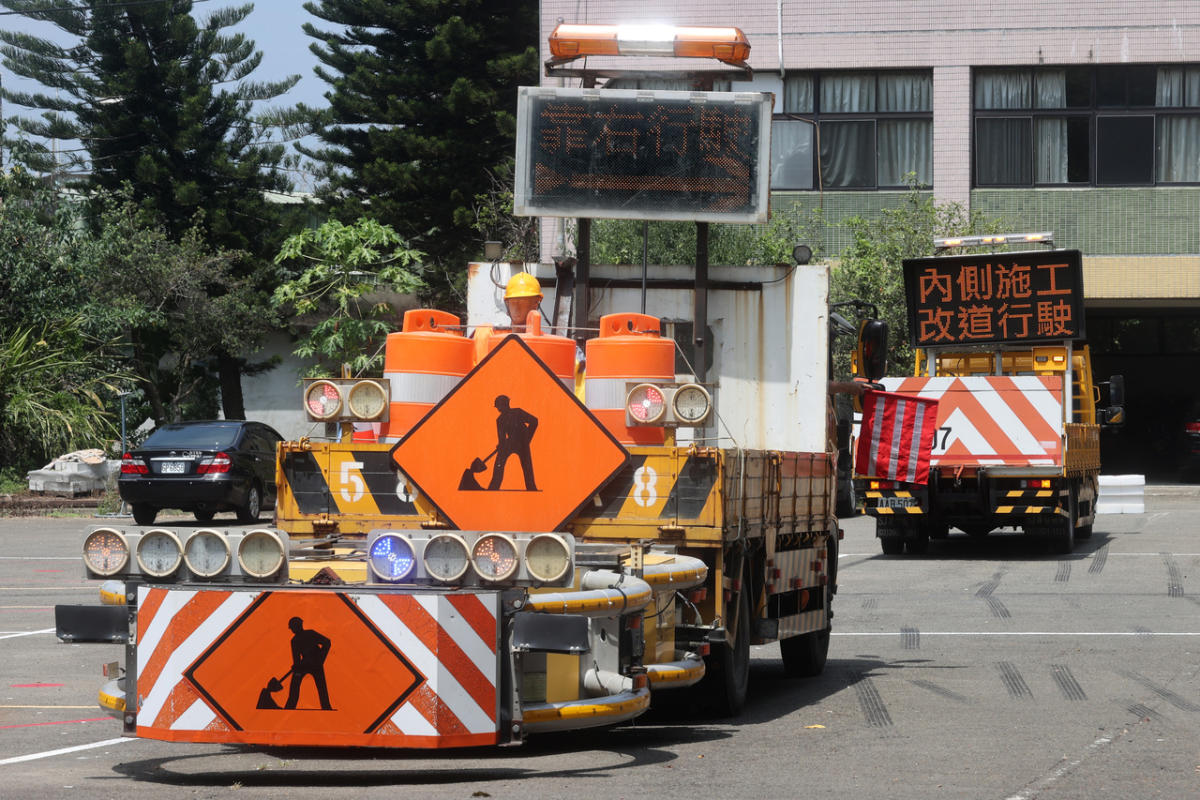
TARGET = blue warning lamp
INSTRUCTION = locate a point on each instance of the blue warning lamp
(391, 558)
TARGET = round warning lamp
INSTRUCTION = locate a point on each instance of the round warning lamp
(367, 400)
(391, 558)
(547, 558)
(323, 400)
(494, 557)
(691, 404)
(446, 557)
(206, 553)
(159, 553)
(105, 551)
(261, 553)
(646, 403)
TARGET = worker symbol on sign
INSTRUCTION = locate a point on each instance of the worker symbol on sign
(514, 434)
(309, 651)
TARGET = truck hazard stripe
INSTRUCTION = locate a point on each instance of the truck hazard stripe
(988, 420)
(416, 670)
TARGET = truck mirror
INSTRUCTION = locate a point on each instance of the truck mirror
(870, 356)
(1116, 390)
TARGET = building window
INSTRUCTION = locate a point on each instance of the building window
(873, 129)
(1119, 125)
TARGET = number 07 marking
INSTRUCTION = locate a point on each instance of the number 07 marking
(945, 431)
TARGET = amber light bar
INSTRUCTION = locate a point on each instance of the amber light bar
(1044, 237)
(724, 44)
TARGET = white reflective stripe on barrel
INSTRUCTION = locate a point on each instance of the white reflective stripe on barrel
(605, 393)
(420, 387)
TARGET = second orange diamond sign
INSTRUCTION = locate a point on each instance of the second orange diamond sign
(510, 448)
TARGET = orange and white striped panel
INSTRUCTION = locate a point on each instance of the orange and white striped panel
(993, 420)
(318, 668)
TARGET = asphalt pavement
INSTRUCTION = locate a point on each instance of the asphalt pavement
(988, 668)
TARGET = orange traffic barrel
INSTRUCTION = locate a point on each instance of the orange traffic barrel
(423, 361)
(556, 352)
(629, 349)
(366, 432)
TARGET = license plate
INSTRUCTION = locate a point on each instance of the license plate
(173, 467)
(897, 502)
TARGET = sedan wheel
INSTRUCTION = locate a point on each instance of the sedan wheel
(253, 507)
(144, 514)
(205, 515)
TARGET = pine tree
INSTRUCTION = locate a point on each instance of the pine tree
(422, 108)
(152, 97)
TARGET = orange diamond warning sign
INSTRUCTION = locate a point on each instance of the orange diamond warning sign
(304, 662)
(510, 447)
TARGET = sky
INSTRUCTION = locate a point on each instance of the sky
(273, 25)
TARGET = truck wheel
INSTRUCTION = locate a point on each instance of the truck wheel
(804, 655)
(253, 507)
(727, 669)
(918, 544)
(1062, 530)
(144, 514)
(890, 540)
(1081, 531)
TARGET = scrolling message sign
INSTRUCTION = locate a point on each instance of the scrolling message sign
(632, 154)
(994, 297)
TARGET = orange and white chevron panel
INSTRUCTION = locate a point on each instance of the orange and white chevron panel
(318, 668)
(993, 420)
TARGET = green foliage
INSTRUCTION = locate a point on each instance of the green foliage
(494, 219)
(175, 303)
(620, 241)
(870, 268)
(422, 108)
(148, 96)
(337, 267)
(53, 383)
(157, 98)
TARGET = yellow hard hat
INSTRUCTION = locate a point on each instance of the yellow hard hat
(522, 285)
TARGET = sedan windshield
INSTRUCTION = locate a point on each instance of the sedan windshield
(193, 437)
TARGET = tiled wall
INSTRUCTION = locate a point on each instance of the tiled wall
(1127, 221)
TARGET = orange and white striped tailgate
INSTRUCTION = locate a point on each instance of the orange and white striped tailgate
(993, 420)
(318, 668)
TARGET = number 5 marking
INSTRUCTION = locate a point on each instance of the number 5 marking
(352, 479)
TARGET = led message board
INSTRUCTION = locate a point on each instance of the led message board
(640, 154)
(994, 297)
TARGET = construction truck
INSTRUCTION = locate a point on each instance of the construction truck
(1001, 347)
(560, 517)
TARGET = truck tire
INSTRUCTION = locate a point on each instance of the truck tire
(891, 540)
(804, 655)
(1062, 529)
(918, 543)
(1083, 531)
(727, 669)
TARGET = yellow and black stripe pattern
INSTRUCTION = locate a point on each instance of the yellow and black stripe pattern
(656, 485)
(357, 484)
(1030, 502)
(882, 502)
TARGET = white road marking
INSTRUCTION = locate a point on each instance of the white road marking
(1059, 771)
(1022, 633)
(25, 633)
(63, 751)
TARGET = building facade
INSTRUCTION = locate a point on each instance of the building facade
(1077, 117)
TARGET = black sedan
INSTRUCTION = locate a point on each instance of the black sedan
(202, 467)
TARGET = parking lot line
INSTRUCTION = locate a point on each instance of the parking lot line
(25, 633)
(63, 751)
